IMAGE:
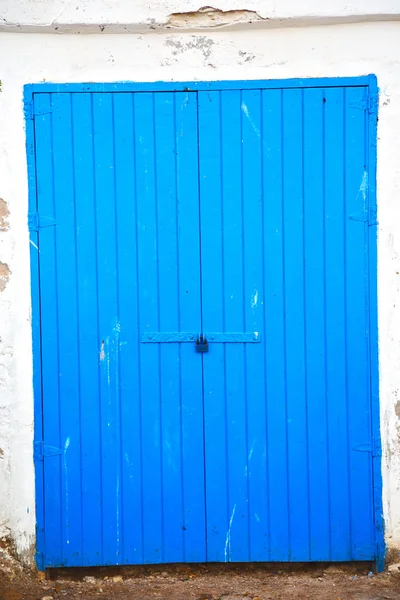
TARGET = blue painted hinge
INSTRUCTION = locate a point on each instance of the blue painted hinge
(42, 450)
(30, 111)
(369, 103)
(36, 221)
(368, 216)
(374, 447)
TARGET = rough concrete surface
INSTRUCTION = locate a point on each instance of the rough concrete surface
(200, 582)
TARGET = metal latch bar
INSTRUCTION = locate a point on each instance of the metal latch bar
(170, 337)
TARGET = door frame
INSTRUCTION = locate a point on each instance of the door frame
(371, 108)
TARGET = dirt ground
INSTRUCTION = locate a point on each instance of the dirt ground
(200, 582)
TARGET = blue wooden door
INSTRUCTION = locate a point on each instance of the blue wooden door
(118, 175)
(242, 215)
(284, 253)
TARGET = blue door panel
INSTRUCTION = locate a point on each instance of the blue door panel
(295, 326)
(231, 208)
(241, 214)
(335, 343)
(278, 529)
(89, 418)
(128, 484)
(320, 461)
(276, 420)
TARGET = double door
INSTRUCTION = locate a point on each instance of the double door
(204, 326)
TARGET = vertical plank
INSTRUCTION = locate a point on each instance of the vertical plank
(315, 327)
(148, 256)
(336, 352)
(232, 319)
(231, 211)
(109, 324)
(130, 422)
(274, 325)
(68, 327)
(86, 263)
(54, 518)
(191, 372)
(221, 508)
(253, 244)
(357, 307)
(168, 280)
(292, 122)
(169, 286)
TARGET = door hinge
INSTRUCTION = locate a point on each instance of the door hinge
(368, 216)
(369, 103)
(36, 221)
(374, 446)
(42, 450)
(31, 111)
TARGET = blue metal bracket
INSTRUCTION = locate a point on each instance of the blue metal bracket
(168, 337)
(366, 216)
(30, 111)
(42, 450)
(374, 446)
(368, 102)
(36, 221)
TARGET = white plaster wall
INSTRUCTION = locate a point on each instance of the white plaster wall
(318, 51)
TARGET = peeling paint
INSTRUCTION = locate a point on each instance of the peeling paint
(4, 214)
(66, 446)
(254, 299)
(117, 511)
(246, 56)
(397, 408)
(364, 186)
(201, 43)
(4, 276)
(108, 355)
(209, 17)
(102, 352)
(252, 450)
(228, 537)
(246, 112)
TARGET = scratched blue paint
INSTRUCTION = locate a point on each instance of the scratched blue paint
(244, 211)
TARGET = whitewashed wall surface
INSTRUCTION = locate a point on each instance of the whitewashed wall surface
(100, 40)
